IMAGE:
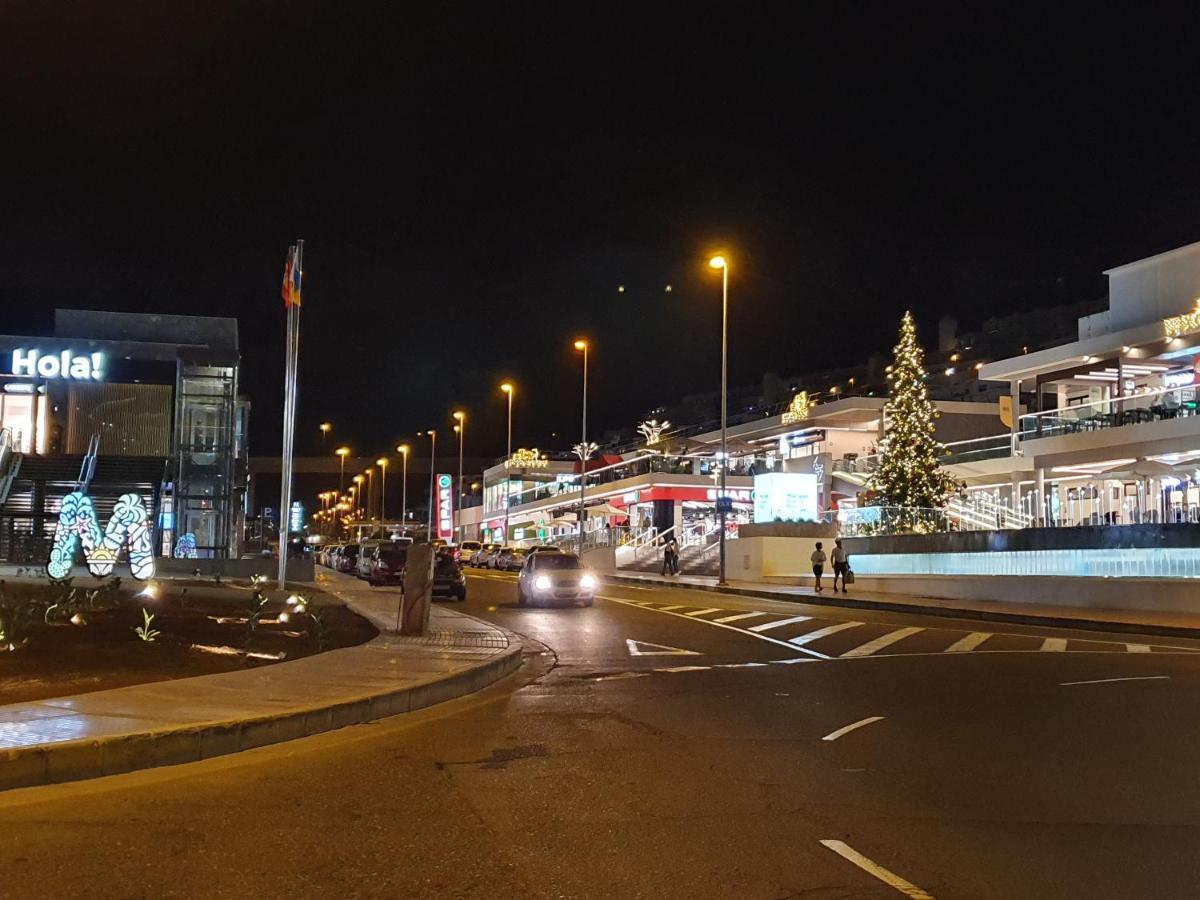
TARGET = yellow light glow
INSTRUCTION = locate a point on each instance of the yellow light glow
(457, 429)
(431, 432)
(458, 415)
(402, 448)
(507, 387)
(717, 262)
(581, 345)
(382, 462)
(326, 427)
(342, 451)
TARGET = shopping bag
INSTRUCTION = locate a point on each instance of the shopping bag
(849, 577)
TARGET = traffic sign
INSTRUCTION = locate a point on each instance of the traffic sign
(724, 504)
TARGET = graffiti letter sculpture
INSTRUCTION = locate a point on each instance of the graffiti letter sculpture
(185, 547)
(128, 527)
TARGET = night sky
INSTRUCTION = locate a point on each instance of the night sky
(474, 181)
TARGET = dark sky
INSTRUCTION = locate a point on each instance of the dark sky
(474, 181)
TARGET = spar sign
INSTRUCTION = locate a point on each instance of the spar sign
(445, 507)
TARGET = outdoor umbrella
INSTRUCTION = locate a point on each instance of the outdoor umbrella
(605, 509)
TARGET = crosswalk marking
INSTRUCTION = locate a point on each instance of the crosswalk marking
(880, 642)
(1054, 645)
(778, 623)
(1137, 648)
(738, 616)
(669, 608)
(702, 612)
(969, 642)
(822, 632)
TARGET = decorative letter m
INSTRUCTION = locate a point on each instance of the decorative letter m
(77, 524)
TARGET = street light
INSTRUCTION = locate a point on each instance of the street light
(461, 430)
(382, 462)
(584, 450)
(370, 473)
(719, 262)
(432, 465)
(508, 389)
(342, 452)
(358, 481)
(326, 427)
(403, 449)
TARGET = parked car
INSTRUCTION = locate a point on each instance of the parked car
(387, 565)
(493, 556)
(543, 548)
(467, 549)
(347, 559)
(449, 580)
(366, 555)
(479, 557)
(510, 559)
(547, 577)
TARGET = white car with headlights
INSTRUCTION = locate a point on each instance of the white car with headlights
(555, 578)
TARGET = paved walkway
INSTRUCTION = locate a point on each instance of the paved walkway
(106, 732)
(1145, 621)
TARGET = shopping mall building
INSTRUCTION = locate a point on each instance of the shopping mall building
(123, 403)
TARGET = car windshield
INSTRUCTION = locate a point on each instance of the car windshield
(556, 561)
(393, 557)
(470, 545)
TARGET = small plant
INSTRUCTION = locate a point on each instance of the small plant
(258, 606)
(146, 631)
(317, 629)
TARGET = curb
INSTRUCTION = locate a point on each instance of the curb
(77, 760)
(914, 609)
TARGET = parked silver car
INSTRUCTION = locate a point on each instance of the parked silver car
(555, 577)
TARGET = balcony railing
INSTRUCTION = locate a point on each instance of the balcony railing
(1150, 406)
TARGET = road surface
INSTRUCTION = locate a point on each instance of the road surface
(680, 744)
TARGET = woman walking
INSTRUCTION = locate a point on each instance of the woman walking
(818, 564)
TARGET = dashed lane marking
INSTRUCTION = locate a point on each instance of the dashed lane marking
(880, 642)
(1137, 648)
(891, 879)
(1054, 645)
(1111, 680)
(704, 612)
(670, 608)
(822, 633)
(853, 726)
(767, 626)
(739, 617)
(969, 642)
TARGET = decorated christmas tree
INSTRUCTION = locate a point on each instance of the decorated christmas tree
(909, 474)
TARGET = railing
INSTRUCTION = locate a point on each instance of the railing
(1149, 406)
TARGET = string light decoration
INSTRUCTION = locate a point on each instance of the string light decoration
(909, 474)
(78, 525)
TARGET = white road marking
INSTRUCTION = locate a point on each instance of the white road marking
(891, 879)
(779, 623)
(684, 669)
(834, 735)
(880, 642)
(624, 675)
(1054, 645)
(761, 637)
(635, 649)
(1137, 648)
(739, 616)
(748, 665)
(788, 662)
(702, 612)
(969, 642)
(664, 608)
(1111, 680)
(820, 633)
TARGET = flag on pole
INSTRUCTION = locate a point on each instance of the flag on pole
(297, 269)
(290, 289)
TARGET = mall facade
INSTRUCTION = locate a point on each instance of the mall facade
(122, 402)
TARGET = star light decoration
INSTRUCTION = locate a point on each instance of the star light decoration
(585, 451)
(1174, 326)
(909, 474)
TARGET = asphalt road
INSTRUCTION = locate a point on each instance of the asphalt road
(708, 758)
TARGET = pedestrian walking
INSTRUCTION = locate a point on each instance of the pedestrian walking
(818, 564)
(841, 564)
(674, 556)
(670, 564)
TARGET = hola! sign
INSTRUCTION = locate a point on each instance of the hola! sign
(526, 459)
(65, 364)
(445, 507)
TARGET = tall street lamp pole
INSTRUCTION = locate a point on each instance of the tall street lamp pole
(382, 462)
(461, 430)
(509, 389)
(582, 345)
(326, 427)
(370, 490)
(403, 451)
(342, 453)
(432, 466)
(719, 262)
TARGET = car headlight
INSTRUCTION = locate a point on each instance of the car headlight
(541, 583)
(588, 582)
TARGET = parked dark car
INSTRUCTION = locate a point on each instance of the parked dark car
(387, 566)
(449, 580)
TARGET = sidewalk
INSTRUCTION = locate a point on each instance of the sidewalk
(168, 722)
(1167, 624)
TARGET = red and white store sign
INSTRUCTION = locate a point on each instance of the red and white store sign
(698, 495)
(445, 507)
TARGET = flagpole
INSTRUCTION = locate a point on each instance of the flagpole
(292, 354)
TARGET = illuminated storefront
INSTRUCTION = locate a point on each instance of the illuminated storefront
(155, 396)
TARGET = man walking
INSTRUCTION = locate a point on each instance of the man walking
(818, 564)
(841, 563)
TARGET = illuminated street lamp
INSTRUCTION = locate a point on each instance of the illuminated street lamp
(719, 262)
(358, 481)
(382, 462)
(461, 430)
(403, 449)
(370, 473)
(342, 453)
(509, 389)
(432, 465)
(584, 447)
(326, 427)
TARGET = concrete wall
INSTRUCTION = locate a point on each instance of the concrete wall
(297, 569)
(1155, 288)
(602, 559)
(758, 558)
